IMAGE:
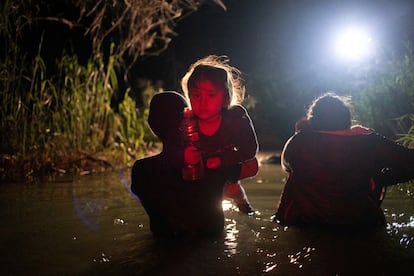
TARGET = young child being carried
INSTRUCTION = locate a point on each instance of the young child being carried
(227, 136)
(176, 208)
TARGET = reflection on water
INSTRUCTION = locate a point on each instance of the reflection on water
(230, 240)
(93, 225)
(301, 257)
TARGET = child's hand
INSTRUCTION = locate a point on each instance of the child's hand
(213, 162)
(192, 155)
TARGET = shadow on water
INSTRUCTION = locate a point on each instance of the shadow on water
(93, 226)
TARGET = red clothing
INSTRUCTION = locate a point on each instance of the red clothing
(235, 141)
(331, 172)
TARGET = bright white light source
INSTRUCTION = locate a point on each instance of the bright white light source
(353, 44)
(227, 205)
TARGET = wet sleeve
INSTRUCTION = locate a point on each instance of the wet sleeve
(233, 173)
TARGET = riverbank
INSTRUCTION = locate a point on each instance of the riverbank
(13, 169)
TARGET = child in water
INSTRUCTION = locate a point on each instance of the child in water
(174, 207)
(227, 135)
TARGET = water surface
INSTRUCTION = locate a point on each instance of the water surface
(92, 225)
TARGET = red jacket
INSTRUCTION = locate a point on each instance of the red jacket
(331, 173)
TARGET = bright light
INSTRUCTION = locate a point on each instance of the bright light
(353, 44)
(227, 205)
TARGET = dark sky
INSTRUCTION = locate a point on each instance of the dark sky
(261, 35)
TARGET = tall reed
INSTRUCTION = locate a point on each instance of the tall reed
(64, 122)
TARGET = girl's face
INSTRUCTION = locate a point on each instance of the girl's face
(207, 100)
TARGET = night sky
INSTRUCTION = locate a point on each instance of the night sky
(267, 35)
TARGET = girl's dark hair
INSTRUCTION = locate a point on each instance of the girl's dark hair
(216, 75)
(330, 112)
(218, 70)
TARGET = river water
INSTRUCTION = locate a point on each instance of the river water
(92, 225)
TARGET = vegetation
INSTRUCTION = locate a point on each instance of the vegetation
(63, 117)
(65, 122)
(386, 103)
(81, 113)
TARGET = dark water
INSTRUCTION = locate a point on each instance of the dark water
(92, 225)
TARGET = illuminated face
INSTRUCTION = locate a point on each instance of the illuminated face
(207, 100)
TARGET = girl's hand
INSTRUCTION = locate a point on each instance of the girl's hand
(191, 155)
(213, 162)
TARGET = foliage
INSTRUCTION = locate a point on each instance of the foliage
(388, 99)
(88, 120)
(137, 27)
(386, 104)
(64, 121)
(407, 138)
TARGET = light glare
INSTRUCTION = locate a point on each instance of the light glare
(353, 44)
(226, 204)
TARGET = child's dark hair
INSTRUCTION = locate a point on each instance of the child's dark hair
(217, 70)
(330, 112)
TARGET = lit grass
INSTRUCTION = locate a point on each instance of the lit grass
(62, 123)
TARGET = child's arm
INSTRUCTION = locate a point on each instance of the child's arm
(241, 144)
(249, 168)
(243, 170)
